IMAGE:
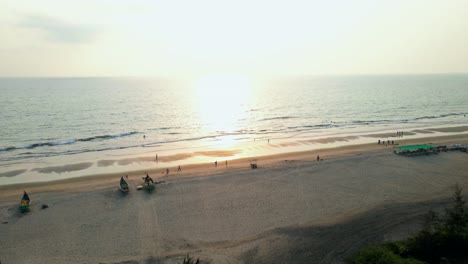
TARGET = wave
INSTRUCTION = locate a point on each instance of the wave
(69, 142)
(277, 118)
(41, 149)
(309, 127)
(386, 121)
(439, 116)
(108, 136)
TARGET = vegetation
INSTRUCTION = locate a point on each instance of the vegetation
(444, 239)
(189, 260)
(381, 255)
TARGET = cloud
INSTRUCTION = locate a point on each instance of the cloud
(58, 30)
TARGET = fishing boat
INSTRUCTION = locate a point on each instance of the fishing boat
(149, 183)
(124, 185)
(150, 187)
(25, 202)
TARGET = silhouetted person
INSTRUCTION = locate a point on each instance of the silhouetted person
(179, 169)
(216, 163)
(226, 163)
(167, 171)
(148, 179)
(318, 157)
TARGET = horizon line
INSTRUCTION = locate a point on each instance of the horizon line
(233, 74)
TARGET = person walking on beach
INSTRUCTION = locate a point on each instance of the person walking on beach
(179, 169)
(226, 163)
(167, 171)
(216, 163)
(318, 158)
(156, 158)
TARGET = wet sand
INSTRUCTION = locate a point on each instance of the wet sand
(292, 209)
(124, 163)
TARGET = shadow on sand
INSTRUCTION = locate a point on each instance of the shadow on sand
(336, 243)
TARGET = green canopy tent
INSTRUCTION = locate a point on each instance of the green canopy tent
(415, 147)
(410, 149)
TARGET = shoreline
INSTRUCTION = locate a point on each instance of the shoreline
(110, 180)
(121, 161)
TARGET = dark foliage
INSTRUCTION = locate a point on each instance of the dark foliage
(444, 239)
(190, 260)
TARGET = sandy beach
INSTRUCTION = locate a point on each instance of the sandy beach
(292, 209)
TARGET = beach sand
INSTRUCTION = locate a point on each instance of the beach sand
(292, 209)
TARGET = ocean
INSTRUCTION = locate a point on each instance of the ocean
(52, 122)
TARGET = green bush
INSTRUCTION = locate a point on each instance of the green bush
(398, 247)
(380, 255)
(190, 260)
(444, 239)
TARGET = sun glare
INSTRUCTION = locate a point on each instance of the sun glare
(221, 100)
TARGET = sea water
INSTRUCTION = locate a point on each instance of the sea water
(47, 122)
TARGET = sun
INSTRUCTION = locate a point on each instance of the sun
(220, 100)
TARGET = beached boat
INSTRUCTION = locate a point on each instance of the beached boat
(150, 187)
(149, 183)
(25, 202)
(124, 185)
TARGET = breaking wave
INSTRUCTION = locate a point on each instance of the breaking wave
(69, 142)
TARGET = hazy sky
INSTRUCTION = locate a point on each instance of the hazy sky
(259, 38)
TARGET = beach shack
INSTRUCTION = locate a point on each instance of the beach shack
(412, 150)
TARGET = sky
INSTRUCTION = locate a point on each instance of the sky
(252, 38)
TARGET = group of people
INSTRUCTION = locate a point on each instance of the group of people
(216, 163)
(388, 142)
